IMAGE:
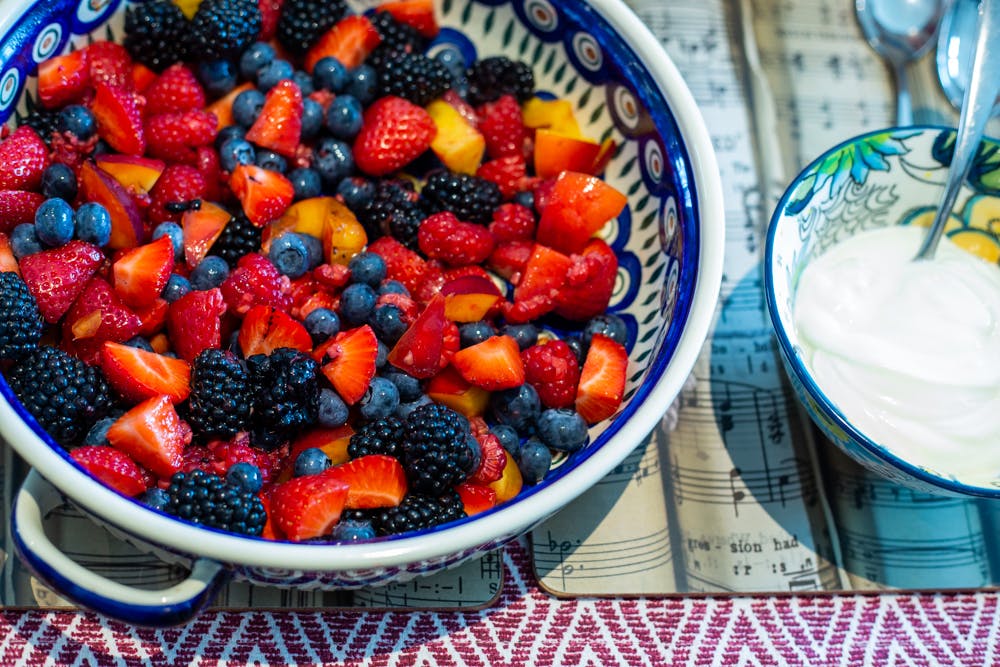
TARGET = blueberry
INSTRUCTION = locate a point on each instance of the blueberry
(407, 385)
(217, 76)
(140, 343)
(608, 325)
(534, 461)
(472, 333)
(476, 453)
(255, 57)
(58, 180)
(171, 230)
(247, 106)
(508, 437)
(54, 222)
(381, 355)
(404, 409)
(357, 302)
(306, 183)
(393, 287)
(268, 159)
(312, 119)
(24, 241)
(517, 407)
(368, 268)
(289, 255)
(356, 191)
(362, 82)
(349, 530)
(236, 151)
(304, 81)
(576, 345)
(332, 410)
(78, 120)
(270, 74)
(333, 159)
(209, 273)
(93, 224)
(177, 286)
(314, 250)
(562, 429)
(227, 133)
(380, 399)
(98, 433)
(311, 461)
(322, 323)
(388, 324)
(245, 476)
(329, 74)
(343, 117)
(453, 61)
(526, 335)
(525, 198)
(156, 498)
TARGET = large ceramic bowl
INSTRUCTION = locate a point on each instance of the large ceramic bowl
(670, 245)
(883, 178)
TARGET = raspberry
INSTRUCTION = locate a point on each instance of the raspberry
(513, 222)
(443, 236)
(255, 281)
(402, 264)
(553, 370)
(502, 126)
(175, 91)
(509, 173)
(174, 137)
(176, 187)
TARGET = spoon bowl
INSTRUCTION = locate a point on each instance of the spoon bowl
(955, 43)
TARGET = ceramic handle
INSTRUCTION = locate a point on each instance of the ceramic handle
(169, 606)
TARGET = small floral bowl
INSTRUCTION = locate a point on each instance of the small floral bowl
(669, 241)
(884, 178)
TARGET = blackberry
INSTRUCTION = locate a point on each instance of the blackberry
(382, 436)
(285, 394)
(490, 78)
(436, 452)
(393, 209)
(64, 394)
(239, 237)
(156, 34)
(417, 512)
(396, 37)
(223, 29)
(303, 21)
(42, 121)
(219, 405)
(206, 499)
(20, 322)
(413, 76)
(470, 198)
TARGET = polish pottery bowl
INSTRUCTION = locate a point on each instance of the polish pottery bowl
(668, 239)
(889, 177)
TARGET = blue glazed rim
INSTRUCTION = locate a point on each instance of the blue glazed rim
(796, 365)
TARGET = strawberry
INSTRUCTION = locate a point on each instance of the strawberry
(492, 461)
(350, 41)
(255, 282)
(513, 222)
(138, 375)
(194, 322)
(510, 258)
(56, 277)
(63, 79)
(227, 453)
(589, 282)
(401, 263)
(501, 124)
(119, 118)
(508, 172)
(493, 364)
(207, 163)
(142, 78)
(348, 361)
(393, 133)
(141, 273)
(279, 125)
(270, 13)
(112, 468)
(418, 14)
(99, 314)
(537, 292)
(476, 498)
(24, 157)
(444, 237)
(152, 317)
(308, 506)
(265, 329)
(553, 370)
(8, 263)
(175, 137)
(177, 185)
(373, 481)
(18, 207)
(577, 206)
(202, 226)
(110, 64)
(175, 90)
(418, 351)
(602, 379)
(263, 194)
(153, 435)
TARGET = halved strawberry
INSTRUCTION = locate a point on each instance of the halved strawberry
(394, 132)
(279, 124)
(8, 263)
(538, 291)
(401, 263)
(265, 329)
(263, 194)
(137, 374)
(418, 351)
(348, 361)
(24, 157)
(308, 506)
(602, 379)
(152, 434)
(99, 314)
(194, 322)
(373, 481)
(63, 79)
(589, 282)
(476, 498)
(493, 364)
(418, 14)
(18, 207)
(350, 41)
(141, 273)
(119, 119)
(142, 77)
(202, 226)
(152, 317)
(112, 467)
(255, 281)
(56, 277)
(576, 207)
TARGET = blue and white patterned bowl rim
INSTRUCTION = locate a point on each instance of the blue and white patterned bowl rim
(37, 35)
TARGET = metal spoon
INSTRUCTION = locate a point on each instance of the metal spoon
(900, 31)
(977, 106)
(954, 48)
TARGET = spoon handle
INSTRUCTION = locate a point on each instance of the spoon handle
(984, 83)
(904, 104)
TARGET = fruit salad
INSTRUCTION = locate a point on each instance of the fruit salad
(269, 268)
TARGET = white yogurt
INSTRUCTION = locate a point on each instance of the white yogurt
(909, 351)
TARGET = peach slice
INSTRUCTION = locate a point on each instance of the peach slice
(97, 185)
(202, 226)
(137, 174)
(458, 144)
(450, 389)
(470, 298)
